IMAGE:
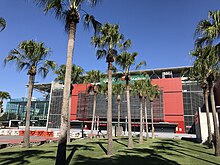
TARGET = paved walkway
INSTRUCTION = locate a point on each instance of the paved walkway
(7, 140)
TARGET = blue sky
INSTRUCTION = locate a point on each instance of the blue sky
(161, 32)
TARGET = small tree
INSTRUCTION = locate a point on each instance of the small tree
(125, 61)
(31, 56)
(118, 89)
(152, 93)
(93, 77)
(139, 88)
(3, 96)
(148, 84)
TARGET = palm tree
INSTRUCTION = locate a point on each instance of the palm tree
(118, 89)
(152, 93)
(200, 73)
(3, 95)
(76, 78)
(93, 77)
(2, 23)
(103, 89)
(208, 29)
(108, 42)
(125, 61)
(148, 82)
(76, 74)
(31, 56)
(207, 33)
(69, 12)
(140, 87)
(209, 59)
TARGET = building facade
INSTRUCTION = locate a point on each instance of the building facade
(174, 109)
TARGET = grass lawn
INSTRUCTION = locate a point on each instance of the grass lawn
(92, 152)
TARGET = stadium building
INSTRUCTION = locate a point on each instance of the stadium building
(174, 109)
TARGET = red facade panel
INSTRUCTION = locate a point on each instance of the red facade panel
(173, 101)
(76, 89)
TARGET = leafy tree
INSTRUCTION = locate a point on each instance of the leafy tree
(94, 77)
(69, 12)
(3, 95)
(118, 89)
(152, 93)
(108, 42)
(125, 61)
(31, 56)
(2, 23)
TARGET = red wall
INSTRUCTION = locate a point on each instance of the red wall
(76, 89)
(173, 101)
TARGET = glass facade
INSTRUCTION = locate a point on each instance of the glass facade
(85, 107)
(192, 100)
(16, 109)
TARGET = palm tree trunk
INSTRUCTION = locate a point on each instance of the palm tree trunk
(119, 111)
(68, 127)
(141, 123)
(26, 137)
(130, 141)
(205, 93)
(145, 111)
(109, 111)
(152, 118)
(61, 150)
(93, 114)
(216, 129)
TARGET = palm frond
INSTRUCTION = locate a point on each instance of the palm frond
(101, 54)
(31, 55)
(2, 23)
(43, 71)
(125, 45)
(202, 26)
(50, 64)
(4, 95)
(93, 3)
(90, 19)
(142, 63)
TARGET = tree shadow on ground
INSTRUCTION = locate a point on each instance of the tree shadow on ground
(100, 143)
(175, 143)
(125, 156)
(124, 159)
(171, 145)
(21, 156)
(74, 148)
(116, 140)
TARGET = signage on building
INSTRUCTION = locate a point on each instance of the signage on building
(121, 81)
